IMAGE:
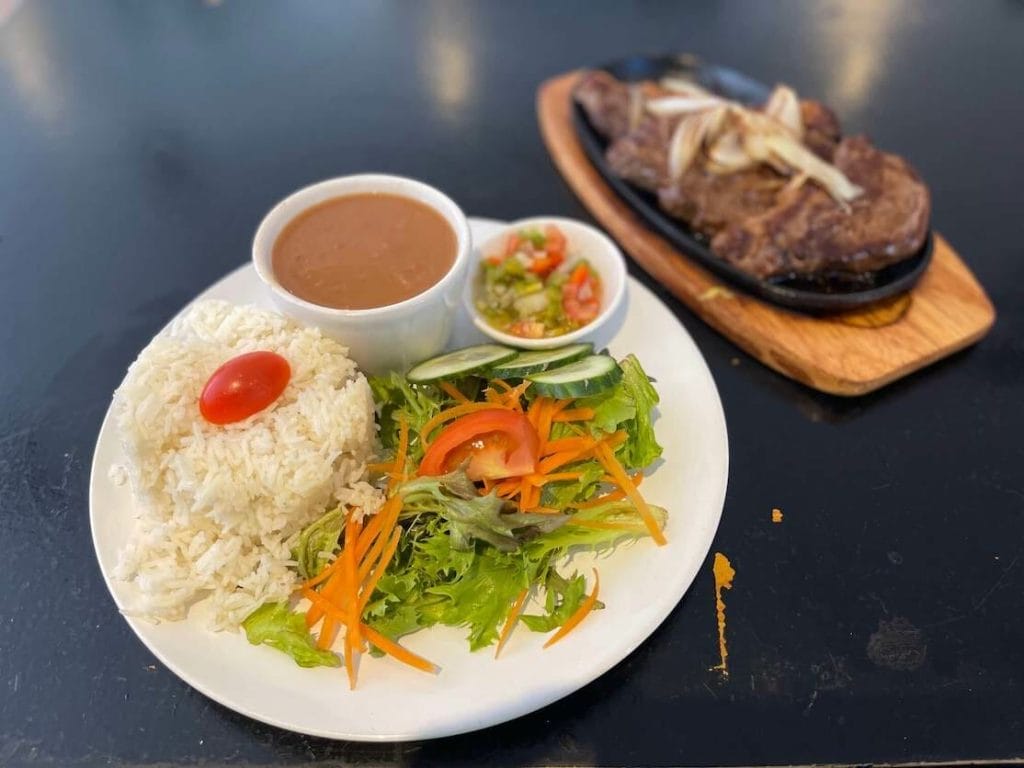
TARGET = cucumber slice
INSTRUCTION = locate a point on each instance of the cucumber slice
(592, 374)
(527, 363)
(459, 363)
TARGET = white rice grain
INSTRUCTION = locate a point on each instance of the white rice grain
(221, 506)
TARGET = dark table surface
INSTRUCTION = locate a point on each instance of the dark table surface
(141, 143)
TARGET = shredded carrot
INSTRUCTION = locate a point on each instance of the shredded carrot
(511, 620)
(556, 460)
(575, 414)
(314, 614)
(390, 510)
(567, 444)
(505, 386)
(327, 634)
(579, 615)
(607, 458)
(351, 597)
(371, 583)
(401, 654)
(379, 466)
(495, 397)
(323, 575)
(325, 605)
(514, 396)
(533, 410)
(453, 392)
(544, 420)
(615, 439)
(369, 535)
(508, 488)
(447, 415)
(546, 511)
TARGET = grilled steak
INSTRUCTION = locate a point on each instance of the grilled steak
(755, 221)
(611, 107)
(640, 156)
(806, 232)
(710, 201)
(821, 128)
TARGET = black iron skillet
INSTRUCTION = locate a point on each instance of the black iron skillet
(829, 292)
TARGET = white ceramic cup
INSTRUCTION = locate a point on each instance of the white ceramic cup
(385, 338)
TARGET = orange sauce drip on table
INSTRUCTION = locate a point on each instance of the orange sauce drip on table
(724, 574)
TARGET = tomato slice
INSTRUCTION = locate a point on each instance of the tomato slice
(244, 385)
(495, 442)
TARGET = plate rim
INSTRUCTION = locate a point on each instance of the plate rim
(196, 682)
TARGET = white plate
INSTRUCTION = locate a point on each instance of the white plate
(640, 584)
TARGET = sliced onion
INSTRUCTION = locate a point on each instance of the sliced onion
(738, 137)
(800, 158)
(727, 154)
(784, 106)
(683, 146)
(668, 106)
(689, 137)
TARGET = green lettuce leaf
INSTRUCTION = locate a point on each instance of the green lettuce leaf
(418, 402)
(570, 536)
(274, 624)
(432, 582)
(563, 597)
(562, 495)
(629, 406)
(471, 516)
(317, 543)
(642, 447)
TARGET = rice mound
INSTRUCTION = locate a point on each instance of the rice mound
(221, 506)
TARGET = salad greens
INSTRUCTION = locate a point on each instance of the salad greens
(276, 625)
(317, 543)
(434, 581)
(468, 550)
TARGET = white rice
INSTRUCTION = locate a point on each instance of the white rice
(221, 506)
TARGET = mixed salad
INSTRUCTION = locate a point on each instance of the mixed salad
(497, 465)
(529, 288)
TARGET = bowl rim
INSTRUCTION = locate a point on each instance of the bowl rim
(611, 304)
(263, 245)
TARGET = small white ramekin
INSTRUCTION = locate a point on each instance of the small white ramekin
(383, 338)
(583, 241)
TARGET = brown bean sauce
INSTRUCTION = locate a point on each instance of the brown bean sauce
(363, 251)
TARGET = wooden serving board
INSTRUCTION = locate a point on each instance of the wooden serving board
(850, 353)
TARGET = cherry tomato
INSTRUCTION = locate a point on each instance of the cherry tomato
(244, 385)
(493, 443)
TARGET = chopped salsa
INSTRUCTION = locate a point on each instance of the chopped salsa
(531, 288)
